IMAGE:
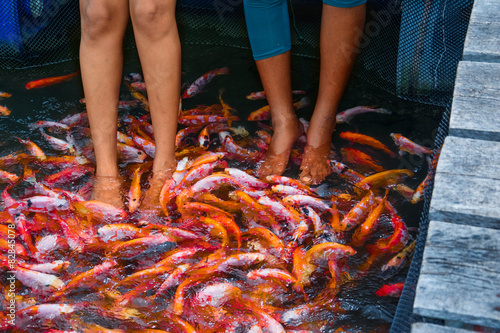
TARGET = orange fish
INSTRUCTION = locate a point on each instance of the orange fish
(50, 81)
(419, 192)
(366, 140)
(264, 112)
(357, 157)
(384, 178)
(4, 111)
(134, 194)
(4, 94)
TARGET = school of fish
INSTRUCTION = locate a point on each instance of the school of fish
(228, 253)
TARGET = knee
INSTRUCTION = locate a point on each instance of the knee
(97, 20)
(153, 16)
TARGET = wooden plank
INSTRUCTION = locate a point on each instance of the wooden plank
(485, 11)
(482, 42)
(464, 156)
(477, 79)
(466, 199)
(474, 110)
(432, 328)
(460, 275)
(474, 117)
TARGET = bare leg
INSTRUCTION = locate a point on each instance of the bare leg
(159, 49)
(275, 76)
(338, 47)
(101, 61)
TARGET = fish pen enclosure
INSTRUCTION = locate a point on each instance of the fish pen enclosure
(244, 255)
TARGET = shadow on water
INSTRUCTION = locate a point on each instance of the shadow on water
(418, 122)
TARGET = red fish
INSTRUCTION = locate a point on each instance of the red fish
(392, 290)
(50, 81)
(202, 81)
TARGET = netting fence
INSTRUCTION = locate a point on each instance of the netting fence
(408, 48)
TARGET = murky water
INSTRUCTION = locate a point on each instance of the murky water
(356, 308)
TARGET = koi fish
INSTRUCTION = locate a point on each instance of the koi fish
(367, 228)
(406, 145)
(204, 135)
(366, 140)
(419, 191)
(51, 125)
(384, 178)
(130, 154)
(346, 115)
(101, 211)
(50, 81)
(202, 81)
(134, 194)
(205, 119)
(4, 111)
(8, 177)
(226, 109)
(4, 94)
(400, 259)
(32, 147)
(139, 85)
(58, 144)
(37, 281)
(184, 133)
(357, 157)
(392, 290)
(345, 172)
(262, 94)
(66, 175)
(78, 119)
(146, 145)
(264, 113)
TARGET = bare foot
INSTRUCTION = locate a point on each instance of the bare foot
(315, 166)
(107, 189)
(151, 202)
(278, 154)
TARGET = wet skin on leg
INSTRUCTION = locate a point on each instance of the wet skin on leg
(103, 24)
(275, 76)
(159, 50)
(339, 42)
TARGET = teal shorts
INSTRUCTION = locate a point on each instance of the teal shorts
(269, 28)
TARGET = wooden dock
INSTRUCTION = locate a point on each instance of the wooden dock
(459, 281)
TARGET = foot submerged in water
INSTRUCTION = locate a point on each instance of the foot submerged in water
(151, 201)
(278, 154)
(108, 189)
(315, 166)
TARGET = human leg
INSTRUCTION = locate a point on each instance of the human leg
(158, 44)
(269, 33)
(339, 41)
(103, 24)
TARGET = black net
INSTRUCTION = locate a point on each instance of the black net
(409, 48)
